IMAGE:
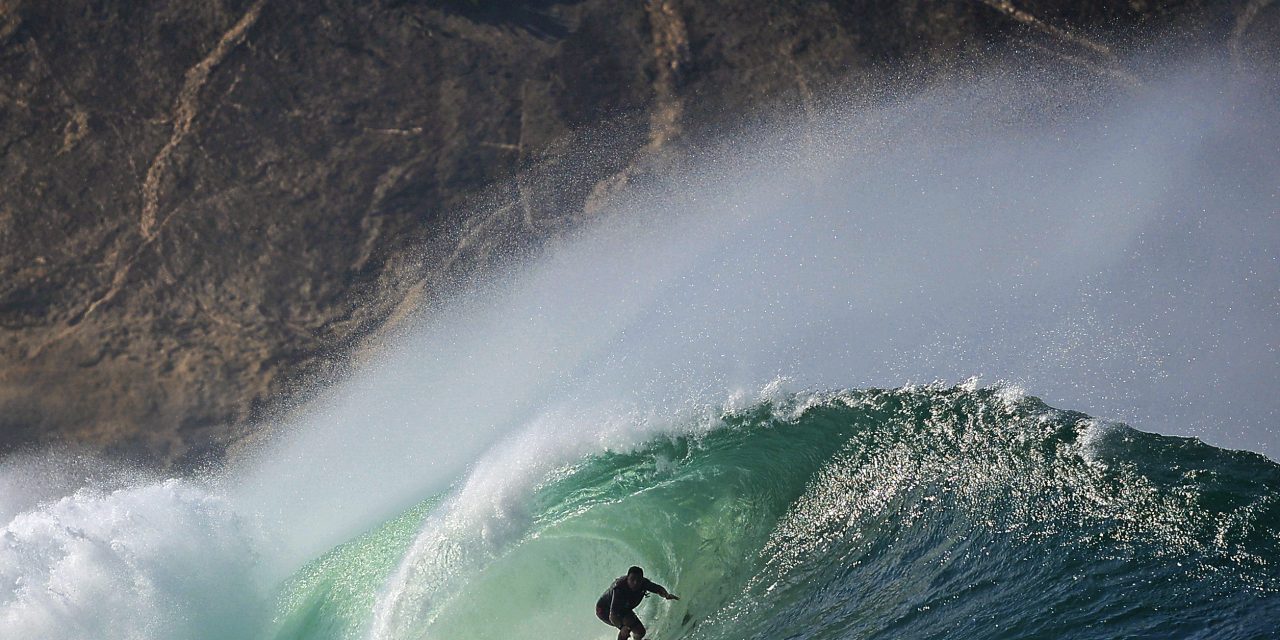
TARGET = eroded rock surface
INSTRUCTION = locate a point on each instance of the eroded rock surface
(204, 203)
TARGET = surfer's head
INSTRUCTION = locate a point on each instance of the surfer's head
(635, 576)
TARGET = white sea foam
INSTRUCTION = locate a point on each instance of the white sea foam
(166, 560)
(1093, 438)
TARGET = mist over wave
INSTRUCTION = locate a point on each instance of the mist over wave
(1112, 251)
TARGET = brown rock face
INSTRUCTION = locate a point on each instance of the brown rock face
(202, 203)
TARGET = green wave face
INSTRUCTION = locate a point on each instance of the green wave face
(875, 514)
(332, 597)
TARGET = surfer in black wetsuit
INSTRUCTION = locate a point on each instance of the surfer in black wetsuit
(616, 607)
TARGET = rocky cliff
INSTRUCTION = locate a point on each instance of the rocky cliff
(205, 204)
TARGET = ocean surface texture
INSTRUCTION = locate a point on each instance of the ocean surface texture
(914, 513)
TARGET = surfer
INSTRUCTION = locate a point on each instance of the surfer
(616, 607)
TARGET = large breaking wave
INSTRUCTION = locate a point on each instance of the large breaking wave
(921, 512)
(1112, 250)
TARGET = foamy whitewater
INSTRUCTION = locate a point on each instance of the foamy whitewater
(907, 370)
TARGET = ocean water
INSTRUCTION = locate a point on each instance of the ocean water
(925, 512)
(920, 512)
(995, 359)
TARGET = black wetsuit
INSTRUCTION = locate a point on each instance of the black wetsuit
(616, 606)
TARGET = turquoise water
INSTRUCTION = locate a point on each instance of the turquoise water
(916, 513)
